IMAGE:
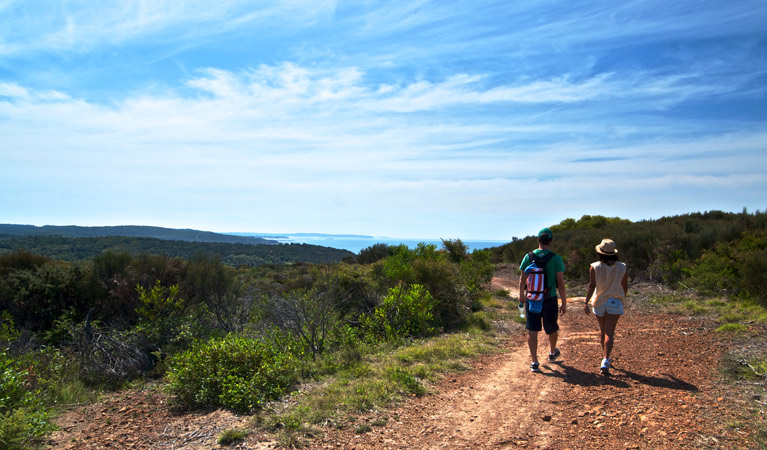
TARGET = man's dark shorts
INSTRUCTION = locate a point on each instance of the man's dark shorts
(548, 315)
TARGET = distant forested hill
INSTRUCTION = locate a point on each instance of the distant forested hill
(670, 249)
(232, 254)
(130, 231)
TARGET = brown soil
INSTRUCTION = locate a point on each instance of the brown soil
(664, 392)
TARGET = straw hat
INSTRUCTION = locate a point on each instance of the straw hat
(606, 247)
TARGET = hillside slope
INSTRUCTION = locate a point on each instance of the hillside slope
(665, 392)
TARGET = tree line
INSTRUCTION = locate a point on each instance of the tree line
(232, 254)
(714, 252)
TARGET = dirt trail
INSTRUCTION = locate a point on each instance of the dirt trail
(663, 393)
(482, 407)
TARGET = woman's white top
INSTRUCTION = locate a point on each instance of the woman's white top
(608, 280)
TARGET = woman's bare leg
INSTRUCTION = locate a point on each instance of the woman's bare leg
(608, 333)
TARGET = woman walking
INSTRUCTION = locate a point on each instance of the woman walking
(608, 283)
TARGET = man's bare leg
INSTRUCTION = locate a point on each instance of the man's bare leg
(532, 342)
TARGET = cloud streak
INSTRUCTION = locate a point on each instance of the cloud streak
(276, 116)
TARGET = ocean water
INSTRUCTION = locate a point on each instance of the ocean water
(355, 244)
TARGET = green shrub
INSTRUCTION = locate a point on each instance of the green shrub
(716, 303)
(232, 436)
(234, 372)
(693, 307)
(38, 295)
(732, 317)
(732, 328)
(737, 268)
(503, 293)
(753, 273)
(409, 383)
(363, 428)
(160, 312)
(457, 251)
(404, 312)
(478, 321)
(23, 417)
(374, 253)
(475, 275)
(456, 287)
(714, 273)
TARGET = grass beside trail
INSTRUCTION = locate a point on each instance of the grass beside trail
(724, 310)
(742, 324)
(372, 381)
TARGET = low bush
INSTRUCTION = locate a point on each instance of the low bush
(232, 436)
(503, 293)
(737, 268)
(732, 317)
(235, 372)
(478, 321)
(404, 312)
(23, 417)
(408, 381)
(693, 307)
(374, 253)
(732, 328)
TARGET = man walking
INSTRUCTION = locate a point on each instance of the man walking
(554, 268)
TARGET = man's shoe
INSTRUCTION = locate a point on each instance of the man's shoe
(535, 367)
(555, 355)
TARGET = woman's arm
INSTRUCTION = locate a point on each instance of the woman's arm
(592, 287)
(625, 283)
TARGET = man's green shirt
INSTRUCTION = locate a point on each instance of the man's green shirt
(556, 264)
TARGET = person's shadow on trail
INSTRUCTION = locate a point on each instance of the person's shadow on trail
(671, 382)
(617, 378)
(571, 375)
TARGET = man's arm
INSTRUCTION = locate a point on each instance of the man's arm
(562, 292)
(522, 286)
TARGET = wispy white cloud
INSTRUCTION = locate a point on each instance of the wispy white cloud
(81, 25)
(383, 117)
(322, 110)
(288, 85)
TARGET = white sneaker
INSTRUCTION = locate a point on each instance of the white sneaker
(605, 367)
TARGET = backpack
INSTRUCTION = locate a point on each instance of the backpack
(537, 280)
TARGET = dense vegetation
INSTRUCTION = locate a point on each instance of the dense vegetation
(715, 253)
(236, 336)
(223, 336)
(231, 254)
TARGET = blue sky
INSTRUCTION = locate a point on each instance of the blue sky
(423, 119)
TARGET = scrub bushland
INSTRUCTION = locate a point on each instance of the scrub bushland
(241, 337)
